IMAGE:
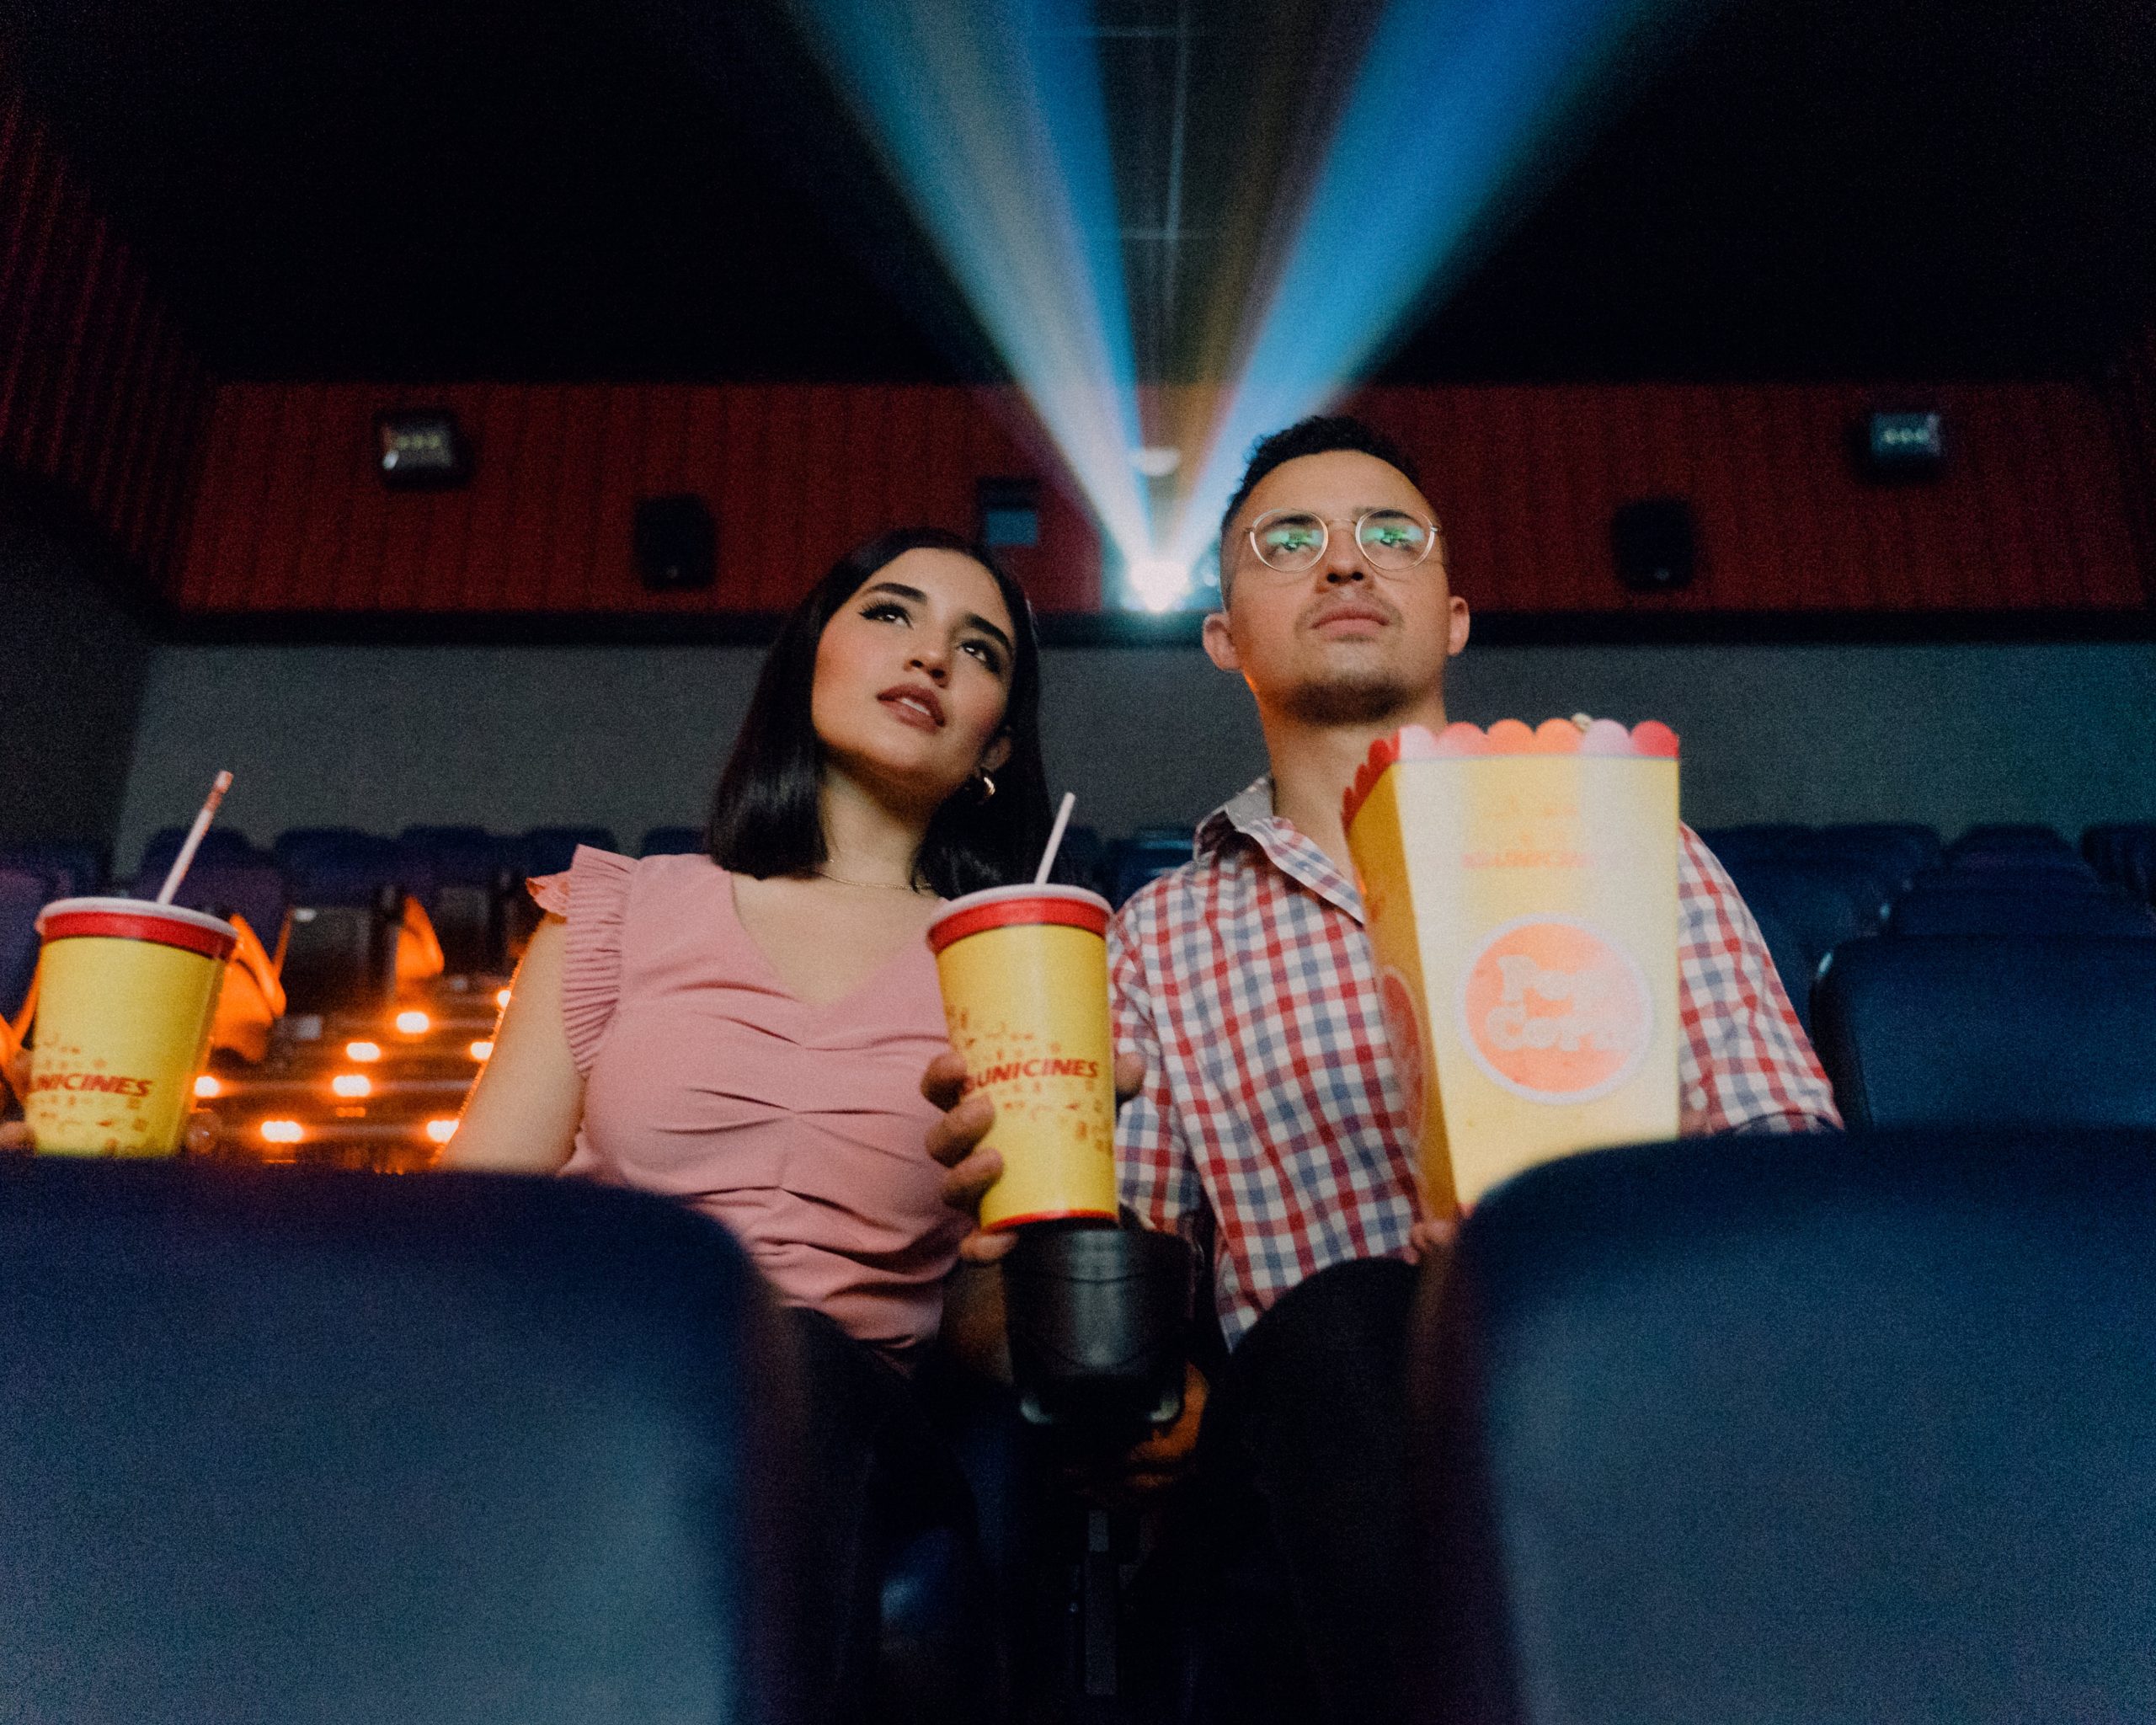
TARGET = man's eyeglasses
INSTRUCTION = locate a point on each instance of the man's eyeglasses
(1293, 541)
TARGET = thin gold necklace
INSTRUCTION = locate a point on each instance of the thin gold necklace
(885, 886)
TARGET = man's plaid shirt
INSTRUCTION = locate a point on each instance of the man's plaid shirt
(1269, 1132)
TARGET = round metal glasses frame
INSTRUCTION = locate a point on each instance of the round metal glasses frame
(1389, 562)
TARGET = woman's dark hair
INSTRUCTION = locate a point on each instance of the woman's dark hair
(766, 818)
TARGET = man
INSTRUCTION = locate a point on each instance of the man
(1268, 1129)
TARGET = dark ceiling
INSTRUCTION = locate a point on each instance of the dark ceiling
(533, 189)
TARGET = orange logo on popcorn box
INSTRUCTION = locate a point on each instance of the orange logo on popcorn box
(1520, 891)
(1553, 1010)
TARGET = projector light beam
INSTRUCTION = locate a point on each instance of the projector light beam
(989, 117)
(1451, 101)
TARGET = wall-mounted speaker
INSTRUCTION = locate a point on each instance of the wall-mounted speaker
(1899, 447)
(1653, 542)
(676, 543)
(421, 450)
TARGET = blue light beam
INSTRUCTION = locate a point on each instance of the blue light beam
(1452, 98)
(990, 119)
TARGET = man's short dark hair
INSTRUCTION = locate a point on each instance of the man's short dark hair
(1321, 434)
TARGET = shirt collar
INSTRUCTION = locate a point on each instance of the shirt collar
(1249, 814)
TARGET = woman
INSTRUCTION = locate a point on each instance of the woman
(746, 1031)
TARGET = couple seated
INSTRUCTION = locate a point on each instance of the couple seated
(749, 1032)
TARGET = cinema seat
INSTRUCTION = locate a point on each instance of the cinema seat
(220, 844)
(1146, 855)
(1083, 861)
(255, 890)
(470, 1450)
(2055, 875)
(461, 875)
(549, 849)
(343, 957)
(1795, 1429)
(2013, 1029)
(2124, 854)
(1907, 846)
(22, 896)
(1759, 840)
(2007, 836)
(337, 865)
(2019, 911)
(73, 869)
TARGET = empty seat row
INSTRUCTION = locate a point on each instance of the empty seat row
(1812, 889)
(1869, 1439)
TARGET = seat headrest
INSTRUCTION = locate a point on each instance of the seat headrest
(469, 1448)
(1761, 1427)
(2032, 1030)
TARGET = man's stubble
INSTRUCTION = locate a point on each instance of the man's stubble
(1350, 698)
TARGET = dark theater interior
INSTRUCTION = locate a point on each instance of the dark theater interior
(1077, 861)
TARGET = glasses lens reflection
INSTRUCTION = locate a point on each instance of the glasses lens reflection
(1393, 539)
(1290, 542)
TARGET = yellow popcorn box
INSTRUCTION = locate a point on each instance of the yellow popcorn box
(1520, 890)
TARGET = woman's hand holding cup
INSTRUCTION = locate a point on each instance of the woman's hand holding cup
(955, 1142)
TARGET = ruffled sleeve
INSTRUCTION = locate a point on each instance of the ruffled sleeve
(593, 895)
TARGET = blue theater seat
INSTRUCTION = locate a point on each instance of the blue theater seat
(2019, 911)
(461, 875)
(672, 842)
(549, 849)
(2010, 1029)
(348, 895)
(2052, 874)
(470, 1450)
(2124, 854)
(1908, 845)
(1083, 860)
(1811, 1430)
(23, 894)
(1146, 855)
(73, 869)
(254, 890)
(2007, 836)
(1760, 839)
(220, 844)
(339, 865)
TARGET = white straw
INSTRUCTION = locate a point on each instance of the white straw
(1054, 839)
(180, 864)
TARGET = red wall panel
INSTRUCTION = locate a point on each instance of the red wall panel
(2033, 511)
(289, 516)
(99, 397)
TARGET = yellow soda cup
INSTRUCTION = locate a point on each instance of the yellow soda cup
(126, 992)
(1025, 976)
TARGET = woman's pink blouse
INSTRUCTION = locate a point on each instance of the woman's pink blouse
(801, 1128)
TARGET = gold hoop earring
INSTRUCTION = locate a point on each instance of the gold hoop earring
(987, 785)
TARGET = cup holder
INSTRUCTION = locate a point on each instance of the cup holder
(1099, 1324)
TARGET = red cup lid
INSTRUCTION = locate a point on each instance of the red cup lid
(1018, 907)
(138, 919)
